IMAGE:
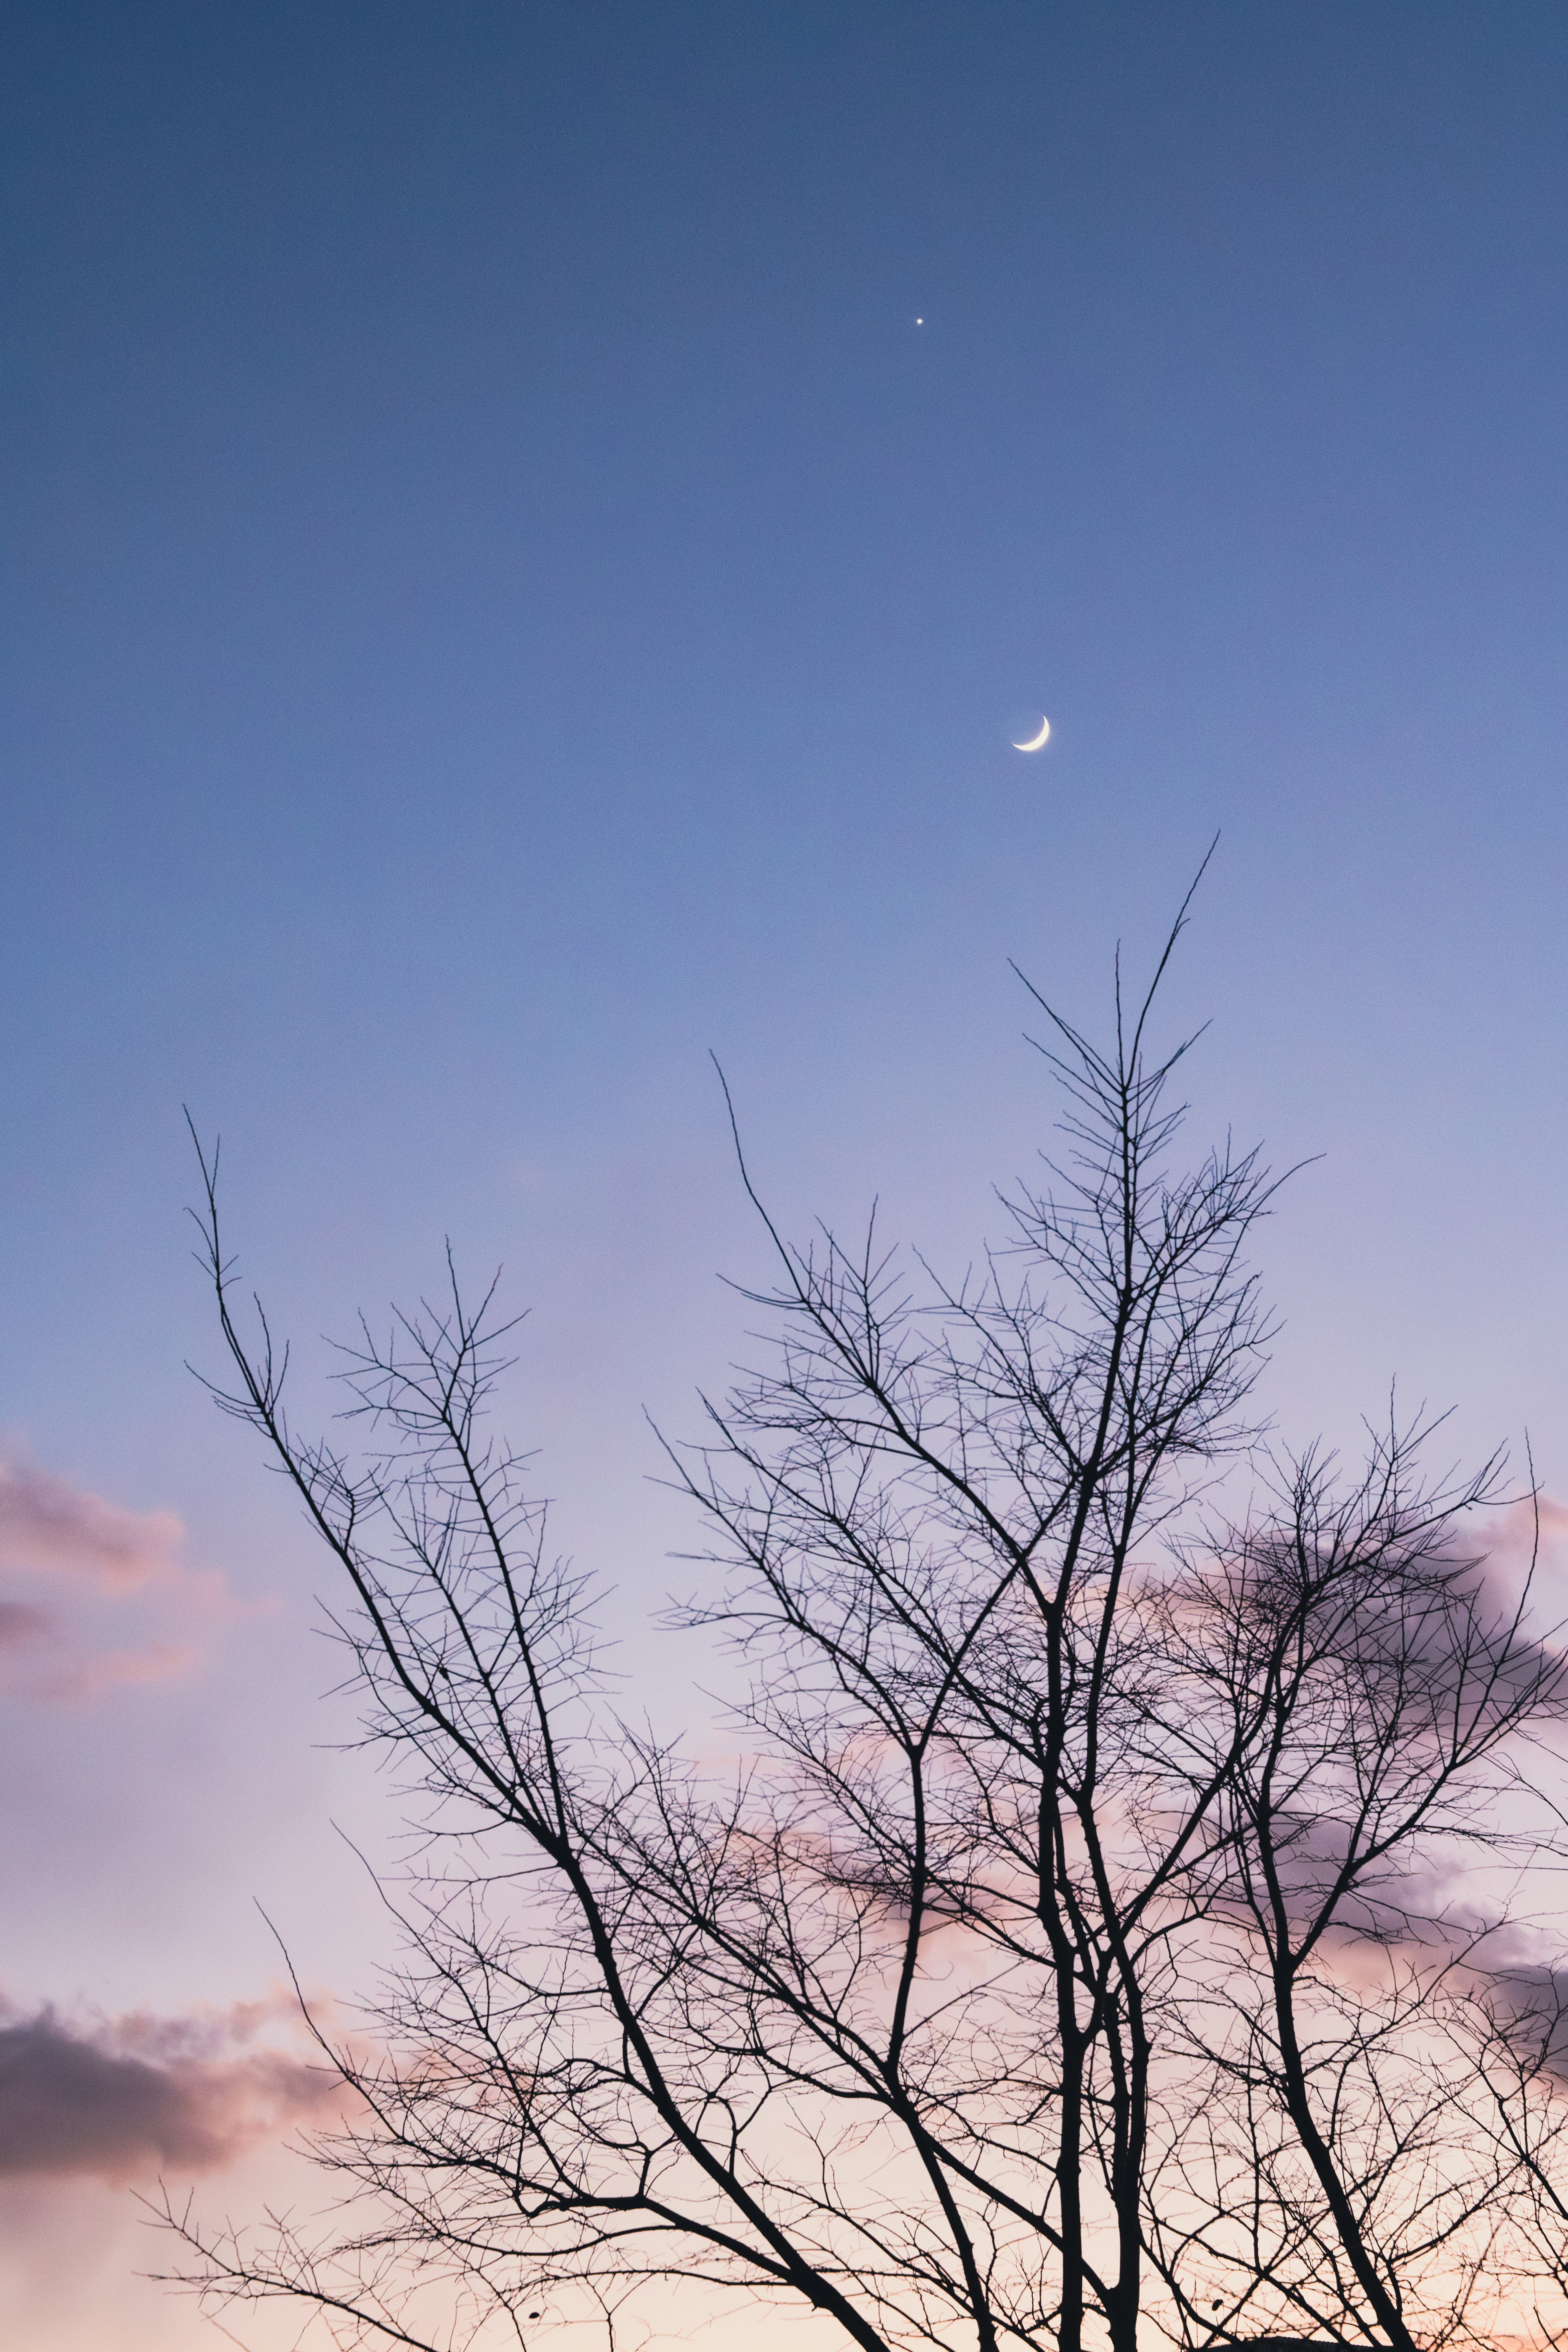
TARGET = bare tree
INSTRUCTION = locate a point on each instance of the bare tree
(901, 2026)
(1346, 2176)
(1518, 2043)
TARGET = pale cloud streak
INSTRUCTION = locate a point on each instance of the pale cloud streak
(89, 1678)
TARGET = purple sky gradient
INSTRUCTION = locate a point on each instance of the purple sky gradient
(502, 599)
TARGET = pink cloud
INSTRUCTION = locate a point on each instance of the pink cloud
(46, 1523)
(70, 1556)
(19, 1621)
(1522, 1535)
(125, 2100)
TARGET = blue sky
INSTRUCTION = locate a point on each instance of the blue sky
(502, 599)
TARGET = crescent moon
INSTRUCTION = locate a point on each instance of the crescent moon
(1037, 742)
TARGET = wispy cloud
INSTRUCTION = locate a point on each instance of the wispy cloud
(125, 2099)
(69, 1557)
(47, 1522)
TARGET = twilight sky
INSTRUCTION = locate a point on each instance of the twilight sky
(501, 599)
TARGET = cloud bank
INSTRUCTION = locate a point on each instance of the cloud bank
(127, 2100)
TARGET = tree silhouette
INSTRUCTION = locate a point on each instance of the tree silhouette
(1018, 1983)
